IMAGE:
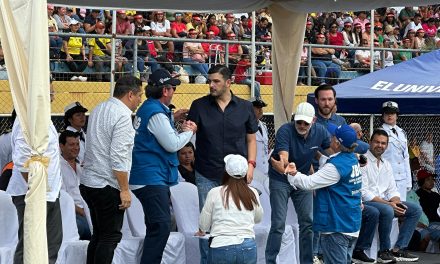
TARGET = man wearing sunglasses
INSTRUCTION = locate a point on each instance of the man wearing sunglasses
(296, 142)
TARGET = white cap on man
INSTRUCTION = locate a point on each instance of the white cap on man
(305, 112)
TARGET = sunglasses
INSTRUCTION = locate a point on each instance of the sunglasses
(300, 122)
(333, 27)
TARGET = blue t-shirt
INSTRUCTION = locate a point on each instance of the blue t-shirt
(301, 150)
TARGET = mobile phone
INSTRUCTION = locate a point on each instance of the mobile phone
(276, 156)
(400, 205)
(362, 160)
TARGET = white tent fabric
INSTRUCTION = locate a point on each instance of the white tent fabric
(8, 228)
(26, 55)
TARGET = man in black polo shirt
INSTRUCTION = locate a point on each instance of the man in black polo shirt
(226, 125)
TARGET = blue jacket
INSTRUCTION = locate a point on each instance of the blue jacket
(337, 208)
(152, 164)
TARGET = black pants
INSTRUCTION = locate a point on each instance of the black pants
(106, 220)
(53, 225)
(77, 65)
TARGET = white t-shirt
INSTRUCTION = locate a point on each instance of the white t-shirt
(228, 226)
(160, 26)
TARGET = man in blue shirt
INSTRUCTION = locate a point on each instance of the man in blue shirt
(337, 203)
(155, 162)
(296, 142)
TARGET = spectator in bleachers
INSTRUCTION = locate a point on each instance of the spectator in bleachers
(163, 61)
(429, 200)
(351, 39)
(303, 67)
(261, 28)
(160, 26)
(230, 26)
(335, 38)
(186, 163)
(395, 38)
(143, 56)
(419, 42)
(73, 52)
(63, 20)
(55, 43)
(216, 51)
(196, 23)
(325, 19)
(379, 191)
(212, 25)
(406, 15)
(100, 52)
(427, 153)
(367, 33)
(74, 15)
(123, 26)
(376, 21)
(194, 54)
(120, 60)
(361, 19)
(342, 19)
(242, 76)
(138, 22)
(230, 213)
(91, 20)
(322, 62)
(437, 38)
(178, 30)
(391, 20)
(412, 38)
(71, 171)
(310, 33)
(414, 25)
(51, 20)
(235, 51)
(378, 30)
(425, 12)
(430, 28)
(75, 121)
(389, 56)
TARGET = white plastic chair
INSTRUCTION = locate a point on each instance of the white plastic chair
(287, 252)
(8, 228)
(185, 200)
(72, 249)
(130, 248)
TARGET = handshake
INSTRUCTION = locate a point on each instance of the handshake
(189, 126)
(282, 165)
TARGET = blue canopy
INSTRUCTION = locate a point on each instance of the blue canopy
(414, 85)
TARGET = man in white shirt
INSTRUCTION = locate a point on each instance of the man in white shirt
(75, 120)
(107, 162)
(415, 24)
(379, 191)
(71, 172)
(18, 186)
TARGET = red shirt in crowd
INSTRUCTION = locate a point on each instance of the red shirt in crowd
(429, 31)
(337, 39)
(178, 26)
(240, 70)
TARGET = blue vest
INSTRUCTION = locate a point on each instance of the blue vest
(152, 164)
(337, 208)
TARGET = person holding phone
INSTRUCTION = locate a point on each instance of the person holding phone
(380, 192)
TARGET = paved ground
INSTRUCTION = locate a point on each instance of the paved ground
(426, 258)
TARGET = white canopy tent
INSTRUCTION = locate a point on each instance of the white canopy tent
(24, 35)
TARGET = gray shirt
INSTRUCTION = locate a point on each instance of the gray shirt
(110, 138)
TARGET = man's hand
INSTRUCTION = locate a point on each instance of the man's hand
(189, 126)
(199, 233)
(398, 211)
(278, 165)
(290, 169)
(80, 211)
(125, 200)
(180, 114)
(90, 63)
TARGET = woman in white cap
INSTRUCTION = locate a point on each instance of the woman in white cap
(229, 214)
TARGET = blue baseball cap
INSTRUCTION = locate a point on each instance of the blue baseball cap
(162, 77)
(344, 134)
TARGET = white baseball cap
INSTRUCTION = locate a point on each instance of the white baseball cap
(236, 166)
(305, 112)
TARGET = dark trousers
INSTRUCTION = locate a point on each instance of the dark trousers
(106, 220)
(54, 229)
(155, 201)
(78, 65)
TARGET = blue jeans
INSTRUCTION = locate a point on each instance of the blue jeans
(155, 200)
(337, 248)
(83, 227)
(244, 253)
(152, 63)
(201, 67)
(280, 192)
(248, 82)
(326, 68)
(370, 219)
(406, 229)
(204, 185)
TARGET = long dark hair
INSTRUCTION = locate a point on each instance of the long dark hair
(239, 191)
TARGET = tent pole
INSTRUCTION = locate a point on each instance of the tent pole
(112, 64)
(371, 124)
(253, 52)
(372, 41)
